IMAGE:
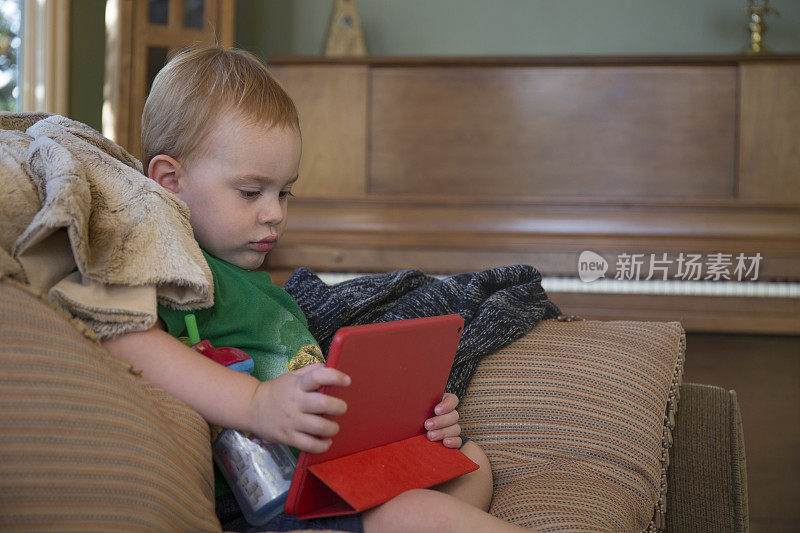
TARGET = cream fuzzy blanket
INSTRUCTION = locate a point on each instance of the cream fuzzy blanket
(80, 222)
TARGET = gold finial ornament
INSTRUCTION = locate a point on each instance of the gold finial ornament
(758, 27)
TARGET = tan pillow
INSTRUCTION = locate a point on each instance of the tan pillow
(85, 444)
(575, 418)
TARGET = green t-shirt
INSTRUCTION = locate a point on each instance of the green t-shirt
(252, 314)
(249, 313)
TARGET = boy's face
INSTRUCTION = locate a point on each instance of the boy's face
(238, 188)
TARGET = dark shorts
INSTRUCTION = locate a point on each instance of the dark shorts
(232, 520)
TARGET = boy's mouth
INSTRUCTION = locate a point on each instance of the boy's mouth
(264, 245)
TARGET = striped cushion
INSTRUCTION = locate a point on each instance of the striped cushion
(85, 444)
(575, 418)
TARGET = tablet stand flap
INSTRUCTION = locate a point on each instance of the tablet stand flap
(316, 500)
(371, 477)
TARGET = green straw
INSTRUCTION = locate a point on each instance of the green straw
(191, 328)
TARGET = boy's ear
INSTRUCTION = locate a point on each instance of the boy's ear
(166, 171)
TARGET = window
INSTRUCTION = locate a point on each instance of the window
(45, 56)
(10, 20)
(34, 62)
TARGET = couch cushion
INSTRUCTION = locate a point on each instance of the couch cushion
(575, 418)
(86, 445)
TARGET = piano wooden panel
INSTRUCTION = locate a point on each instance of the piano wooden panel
(616, 132)
(332, 103)
(770, 133)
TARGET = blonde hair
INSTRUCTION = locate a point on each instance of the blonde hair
(199, 85)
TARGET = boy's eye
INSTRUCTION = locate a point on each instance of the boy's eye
(250, 195)
(285, 194)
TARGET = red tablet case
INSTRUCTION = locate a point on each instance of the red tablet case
(399, 371)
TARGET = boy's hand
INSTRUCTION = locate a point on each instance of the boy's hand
(444, 426)
(288, 409)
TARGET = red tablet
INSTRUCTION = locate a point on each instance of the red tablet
(399, 371)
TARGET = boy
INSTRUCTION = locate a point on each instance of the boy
(221, 134)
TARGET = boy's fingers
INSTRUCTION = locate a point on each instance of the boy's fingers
(307, 369)
(315, 378)
(317, 426)
(449, 431)
(308, 443)
(450, 397)
(442, 421)
(323, 404)
(452, 442)
(448, 403)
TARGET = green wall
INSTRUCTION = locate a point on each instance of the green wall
(87, 60)
(519, 27)
(462, 27)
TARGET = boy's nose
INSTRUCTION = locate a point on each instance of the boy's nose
(271, 214)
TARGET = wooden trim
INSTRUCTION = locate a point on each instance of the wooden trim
(720, 314)
(167, 36)
(466, 200)
(118, 71)
(531, 61)
(58, 100)
(226, 20)
(389, 215)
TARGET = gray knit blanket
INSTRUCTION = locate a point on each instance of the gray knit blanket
(498, 306)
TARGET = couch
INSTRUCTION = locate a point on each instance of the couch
(578, 441)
